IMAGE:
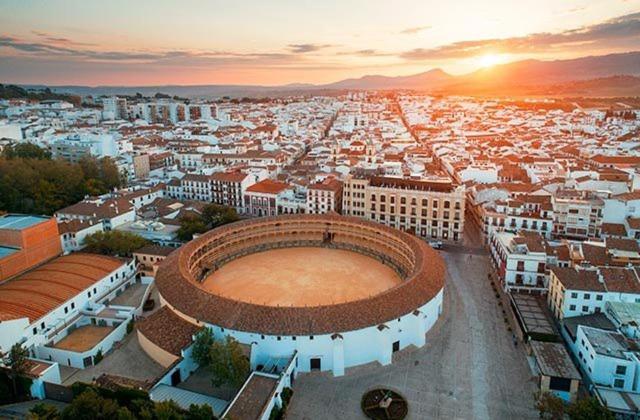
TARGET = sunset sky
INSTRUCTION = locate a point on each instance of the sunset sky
(274, 42)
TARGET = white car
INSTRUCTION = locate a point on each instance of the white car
(436, 244)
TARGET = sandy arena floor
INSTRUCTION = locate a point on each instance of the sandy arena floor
(83, 338)
(302, 277)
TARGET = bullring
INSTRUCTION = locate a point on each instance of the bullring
(359, 325)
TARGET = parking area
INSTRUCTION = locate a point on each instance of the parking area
(469, 368)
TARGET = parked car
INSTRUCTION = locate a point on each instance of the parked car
(436, 244)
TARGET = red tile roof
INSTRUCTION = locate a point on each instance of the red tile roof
(41, 290)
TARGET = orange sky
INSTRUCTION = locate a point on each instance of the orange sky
(120, 42)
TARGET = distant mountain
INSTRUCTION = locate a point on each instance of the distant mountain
(427, 80)
(528, 77)
(534, 75)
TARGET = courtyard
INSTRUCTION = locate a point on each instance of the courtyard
(83, 338)
(468, 369)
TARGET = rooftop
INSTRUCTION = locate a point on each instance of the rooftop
(39, 291)
(19, 222)
(554, 360)
(252, 398)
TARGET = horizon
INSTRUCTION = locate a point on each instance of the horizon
(60, 43)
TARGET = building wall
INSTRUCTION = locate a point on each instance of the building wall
(163, 357)
(354, 348)
(37, 244)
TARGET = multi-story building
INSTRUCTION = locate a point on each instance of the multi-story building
(264, 198)
(427, 208)
(325, 196)
(582, 291)
(114, 108)
(520, 260)
(577, 214)
(227, 188)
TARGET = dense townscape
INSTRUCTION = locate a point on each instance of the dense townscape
(97, 191)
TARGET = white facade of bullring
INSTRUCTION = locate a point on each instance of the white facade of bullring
(342, 350)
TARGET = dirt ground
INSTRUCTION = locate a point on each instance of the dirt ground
(83, 338)
(302, 277)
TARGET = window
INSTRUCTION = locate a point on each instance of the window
(618, 383)
(35, 331)
(574, 295)
(587, 296)
(585, 309)
(598, 297)
(572, 307)
(310, 337)
(621, 370)
(66, 310)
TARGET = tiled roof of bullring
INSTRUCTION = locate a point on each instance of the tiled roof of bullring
(177, 285)
(167, 330)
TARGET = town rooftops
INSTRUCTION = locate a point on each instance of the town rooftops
(106, 209)
(553, 360)
(37, 292)
(19, 221)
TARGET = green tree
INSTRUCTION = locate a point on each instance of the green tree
(190, 225)
(228, 363)
(589, 409)
(115, 242)
(200, 412)
(202, 347)
(549, 406)
(89, 405)
(215, 215)
(43, 411)
(168, 410)
(16, 360)
(25, 151)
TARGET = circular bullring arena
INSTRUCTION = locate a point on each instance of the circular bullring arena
(335, 291)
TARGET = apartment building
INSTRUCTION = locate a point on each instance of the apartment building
(520, 260)
(577, 214)
(325, 196)
(427, 208)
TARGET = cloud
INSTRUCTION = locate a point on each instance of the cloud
(306, 48)
(415, 30)
(610, 33)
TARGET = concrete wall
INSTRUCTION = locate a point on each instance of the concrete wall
(162, 357)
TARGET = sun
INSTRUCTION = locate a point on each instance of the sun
(490, 60)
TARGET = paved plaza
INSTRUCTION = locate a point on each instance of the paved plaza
(469, 368)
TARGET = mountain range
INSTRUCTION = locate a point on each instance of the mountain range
(606, 75)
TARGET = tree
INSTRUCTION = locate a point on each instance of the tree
(215, 215)
(549, 406)
(228, 363)
(25, 151)
(90, 405)
(43, 411)
(200, 412)
(168, 410)
(589, 409)
(16, 361)
(202, 347)
(114, 242)
(190, 225)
